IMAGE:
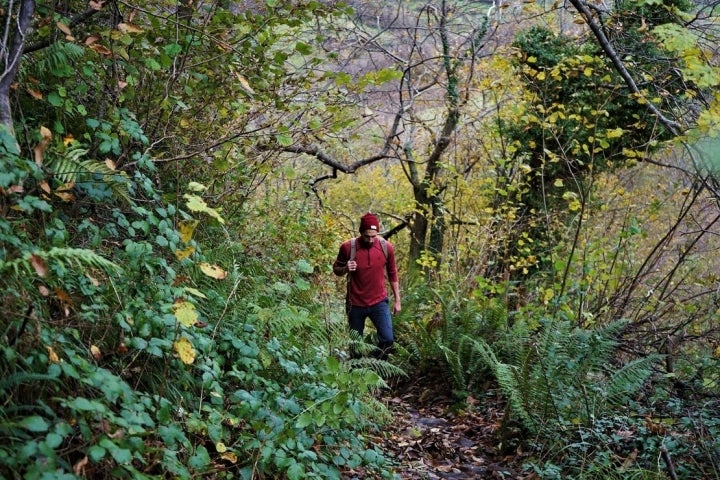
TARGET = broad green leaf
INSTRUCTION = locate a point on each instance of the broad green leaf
(304, 420)
(34, 423)
(284, 140)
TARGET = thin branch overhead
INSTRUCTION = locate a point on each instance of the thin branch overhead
(607, 47)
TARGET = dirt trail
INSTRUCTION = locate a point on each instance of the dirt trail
(432, 439)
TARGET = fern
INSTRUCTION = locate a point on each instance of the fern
(72, 168)
(629, 379)
(507, 377)
(61, 257)
(57, 60)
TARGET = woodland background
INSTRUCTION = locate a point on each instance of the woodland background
(178, 175)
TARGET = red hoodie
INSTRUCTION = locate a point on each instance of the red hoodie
(367, 283)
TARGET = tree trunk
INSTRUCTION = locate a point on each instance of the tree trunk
(17, 24)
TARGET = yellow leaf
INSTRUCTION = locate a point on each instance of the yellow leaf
(229, 456)
(245, 84)
(185, 253)
(35, 94)
(95, 351)
(185, 350)
(197, 204)
(110, 164)
(195, 291)
(196, 187)
(717, 352)
(52, 356)
(213, 271)
(541, 76)
(185, 312)
(129, 28)
(187, 228)
(558, 183)
(615, 133)
(220, 447)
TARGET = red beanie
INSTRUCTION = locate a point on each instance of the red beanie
(369, 222)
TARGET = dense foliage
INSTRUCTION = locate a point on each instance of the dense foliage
(171, 206)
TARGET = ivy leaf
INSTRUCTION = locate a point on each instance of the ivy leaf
(200, 459)
(296, 471)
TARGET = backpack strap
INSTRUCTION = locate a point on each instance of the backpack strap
(383, 245)
(353, 247)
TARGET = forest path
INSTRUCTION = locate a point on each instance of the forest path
(433, 438)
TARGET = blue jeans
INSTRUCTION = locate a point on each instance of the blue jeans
(379, 314)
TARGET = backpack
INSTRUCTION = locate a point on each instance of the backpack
(353, 247)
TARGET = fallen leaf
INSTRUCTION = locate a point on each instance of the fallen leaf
(64, 28)
(213, 271)
(38, 264)
(95, 351)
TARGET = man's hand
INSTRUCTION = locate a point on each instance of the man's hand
(396, 307)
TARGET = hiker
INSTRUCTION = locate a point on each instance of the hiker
(367, 261)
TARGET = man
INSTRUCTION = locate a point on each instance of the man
(367, 295)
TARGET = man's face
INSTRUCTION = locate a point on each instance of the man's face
(368, 237)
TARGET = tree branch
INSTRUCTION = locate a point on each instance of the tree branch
(607, 47)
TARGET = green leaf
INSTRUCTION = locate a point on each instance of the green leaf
(200, 459)
(96, 453)
(303, 48)
(35, 423)
(284, 140)
(304, 420)
(296, 471)
(303, 266)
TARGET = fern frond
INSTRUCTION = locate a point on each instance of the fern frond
(508, 378)
(383, 368)
(629, 379)
(61, 257)
(57, 59)
(72, 168)
(24, 377)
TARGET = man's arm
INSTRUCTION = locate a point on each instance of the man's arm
(396, 294)
(340, 267)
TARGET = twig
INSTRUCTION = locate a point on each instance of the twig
(668, 461)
